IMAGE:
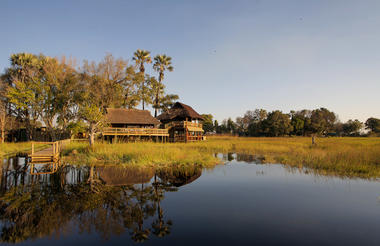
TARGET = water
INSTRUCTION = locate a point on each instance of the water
(239, 203)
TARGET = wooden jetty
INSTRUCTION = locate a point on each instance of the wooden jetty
(49, 153)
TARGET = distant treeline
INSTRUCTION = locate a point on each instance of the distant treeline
(38, 89)
(305, 122)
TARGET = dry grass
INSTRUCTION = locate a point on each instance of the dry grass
(358, 157)
(145, 154)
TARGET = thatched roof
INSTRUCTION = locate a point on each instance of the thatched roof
(179, 110)
(130, 116)
(115, 176)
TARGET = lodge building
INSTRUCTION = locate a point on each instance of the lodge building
(132, 125)
(181, 123)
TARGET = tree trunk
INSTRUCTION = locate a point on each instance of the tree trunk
(313, 139)
(2, 129)
(2, 134)
(51, 130)
(156, 103)
(92, 135)
(143, 96)
(158, 90)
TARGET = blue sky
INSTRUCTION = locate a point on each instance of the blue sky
(228, 56)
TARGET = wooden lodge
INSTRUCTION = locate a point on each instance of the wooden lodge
(183, 123)
(132, 125)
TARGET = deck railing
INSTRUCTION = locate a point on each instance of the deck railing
(135, 131)
(47, 151)
(183, 124)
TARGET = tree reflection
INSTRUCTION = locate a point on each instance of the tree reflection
(36, 206)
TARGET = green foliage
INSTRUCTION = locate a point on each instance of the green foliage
(352, 127)
(141, 57)
(301, 123)
(161, 64)
(208, 125)
(277, 124)
(373, 124)
(41, 88)
(322, 121)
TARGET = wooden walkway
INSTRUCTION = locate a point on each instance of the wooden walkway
(49, 153)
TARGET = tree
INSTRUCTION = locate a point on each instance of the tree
(3, 110)
(63, 75)
(166, 100)
(207, 123)
(131, 96)
(255, 120)
(161, 64)
(231, 126)
(277, 124)
(298, 123)
(25, 91)
(216, 127)
(141, 57)
(373, 124)
(59, 83)
(103, 85)
(322, 121)
(302, 116)
(352, 127)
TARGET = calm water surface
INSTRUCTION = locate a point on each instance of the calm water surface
(239, 203)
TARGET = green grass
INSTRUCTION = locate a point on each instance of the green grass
(351, 157)
(11, 149)
(14, 148)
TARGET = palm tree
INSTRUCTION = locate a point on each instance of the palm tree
(161, 63)
(141, 57)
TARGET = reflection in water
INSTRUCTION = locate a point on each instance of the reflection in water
(109, 200)
(241, 157)
(44, 167)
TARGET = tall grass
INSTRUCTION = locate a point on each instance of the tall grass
(145, 154)
(340, 156)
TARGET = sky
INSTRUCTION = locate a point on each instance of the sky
(228, 56)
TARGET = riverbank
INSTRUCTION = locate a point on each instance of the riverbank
(350, 157)
(7, 149)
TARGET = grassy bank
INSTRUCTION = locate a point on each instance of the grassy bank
(358, 157)
(140, 154)
(14, 148)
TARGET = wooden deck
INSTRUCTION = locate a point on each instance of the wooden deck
(49, 153)
(151, 132)
(183, 124)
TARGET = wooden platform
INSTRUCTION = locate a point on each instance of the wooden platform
(50, 153)
(151, 132)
